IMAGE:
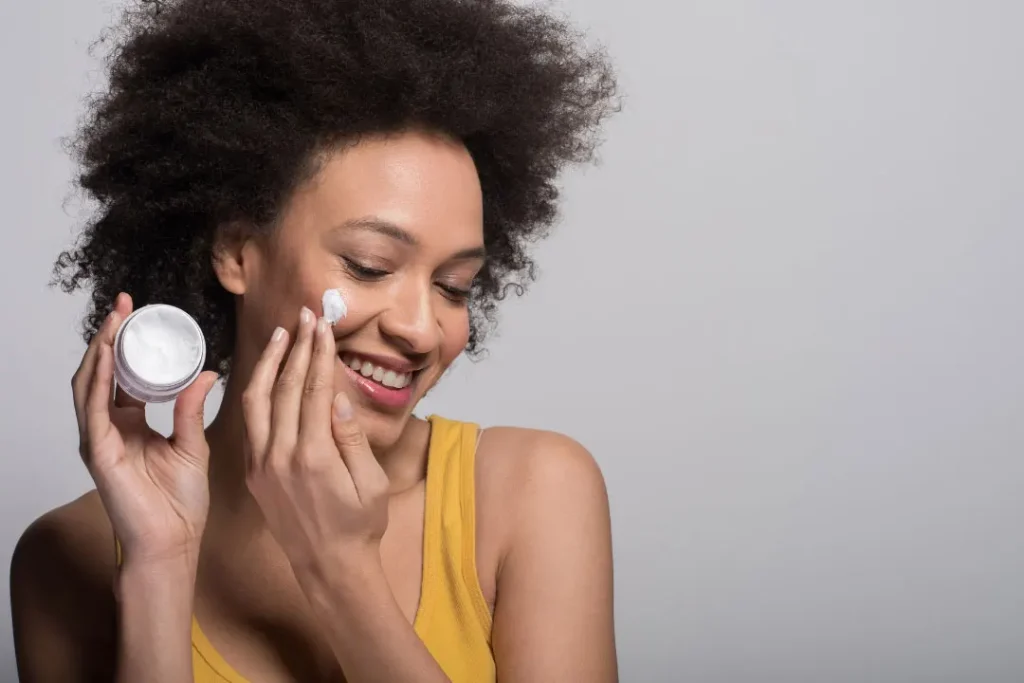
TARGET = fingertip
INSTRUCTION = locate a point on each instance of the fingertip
(110, 326)
(209, 379)
(325, 336)
(205, 383)
(342, 408)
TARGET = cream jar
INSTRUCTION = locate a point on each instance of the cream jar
(158, 351)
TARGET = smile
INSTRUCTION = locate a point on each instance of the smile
(381, 375)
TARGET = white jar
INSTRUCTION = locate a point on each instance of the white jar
(158, 351)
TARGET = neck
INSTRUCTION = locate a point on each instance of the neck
(232, 505)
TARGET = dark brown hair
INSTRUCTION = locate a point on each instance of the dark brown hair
(216, 108)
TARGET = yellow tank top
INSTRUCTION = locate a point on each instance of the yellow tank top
(452, 619)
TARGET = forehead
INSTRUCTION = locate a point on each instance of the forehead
(426, 184)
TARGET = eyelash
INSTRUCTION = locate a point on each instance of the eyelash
(360, 272)
(459, 296)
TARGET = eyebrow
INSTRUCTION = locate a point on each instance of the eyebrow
(395, 232)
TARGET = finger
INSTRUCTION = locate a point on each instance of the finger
(355, 450)
(81, 381)
(315, 416)
(97, 408)
(189, 433)
(287, 398)
(123, 305)
(256, 406)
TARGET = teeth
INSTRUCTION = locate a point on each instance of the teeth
(389, 378)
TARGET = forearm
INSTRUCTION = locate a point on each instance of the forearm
(370, 636)
(155, 622)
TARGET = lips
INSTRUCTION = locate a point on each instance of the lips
(386, 387)
(380, 374)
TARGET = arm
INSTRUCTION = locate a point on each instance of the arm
(62, 608)
(369, 635)
(325, 499)
(154, 609)
(152, 494)
(68, 625)
(553, 615)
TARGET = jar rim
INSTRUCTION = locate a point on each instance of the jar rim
(148, 387)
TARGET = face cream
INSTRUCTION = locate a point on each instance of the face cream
(334, 306)
(158, 351)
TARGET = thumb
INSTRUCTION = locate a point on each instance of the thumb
(189, 426)
(355, 450)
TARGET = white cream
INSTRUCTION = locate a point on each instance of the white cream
(334, 306)
(159, 351)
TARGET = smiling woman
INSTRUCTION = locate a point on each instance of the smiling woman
(246, 158)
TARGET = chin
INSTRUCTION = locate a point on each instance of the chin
(382, 430)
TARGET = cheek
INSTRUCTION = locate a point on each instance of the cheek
(288, 282)
(360, 306)
(455, 335)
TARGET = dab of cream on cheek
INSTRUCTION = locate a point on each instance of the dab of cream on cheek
(159, 351)
(334, 306)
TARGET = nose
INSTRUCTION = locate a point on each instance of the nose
(410, 321)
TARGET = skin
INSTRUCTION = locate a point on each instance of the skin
(292, 528)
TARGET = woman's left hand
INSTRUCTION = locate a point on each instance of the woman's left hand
(309, 465)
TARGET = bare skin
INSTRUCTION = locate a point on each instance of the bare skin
(254, 577)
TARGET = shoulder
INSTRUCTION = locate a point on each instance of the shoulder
(72, 540)
(531, 462)
(551, 557)
(62, 573)
(534, 482)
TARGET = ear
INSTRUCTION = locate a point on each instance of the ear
(231, 257)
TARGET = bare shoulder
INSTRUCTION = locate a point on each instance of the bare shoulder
(62, 603)
(532, 482)
(545, 530)
(524, 463)
(72, 541)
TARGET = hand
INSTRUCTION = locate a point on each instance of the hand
(154, 490)
(309, 466)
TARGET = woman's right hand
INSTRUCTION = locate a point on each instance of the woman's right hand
(155, 490)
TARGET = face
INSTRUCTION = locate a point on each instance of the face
(396, 224)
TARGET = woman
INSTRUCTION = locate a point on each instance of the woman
(246, 157)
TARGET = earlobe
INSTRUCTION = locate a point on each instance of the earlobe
(229, 258)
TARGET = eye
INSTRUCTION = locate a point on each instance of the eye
(459, 296)
(361, 272)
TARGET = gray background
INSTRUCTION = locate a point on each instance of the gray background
(783, 314)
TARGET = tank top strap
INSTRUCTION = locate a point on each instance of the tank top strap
(450, 578)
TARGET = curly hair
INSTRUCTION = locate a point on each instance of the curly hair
(216, 110)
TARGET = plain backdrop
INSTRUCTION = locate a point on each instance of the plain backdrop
(783, 313)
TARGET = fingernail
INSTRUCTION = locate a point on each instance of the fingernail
(342, 406)
(278, 334)
(305, 315)
(321, 326)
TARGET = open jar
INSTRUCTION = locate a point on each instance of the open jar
(159, 350)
